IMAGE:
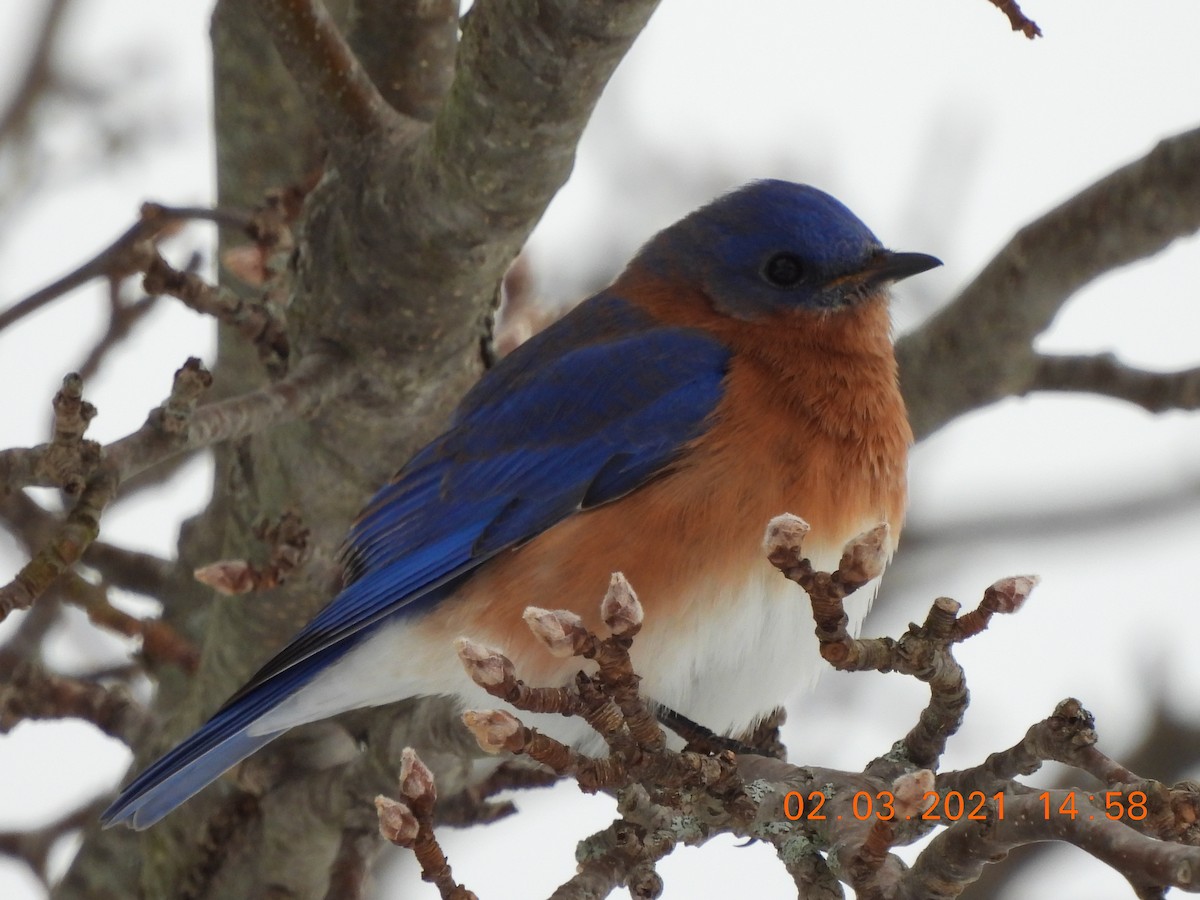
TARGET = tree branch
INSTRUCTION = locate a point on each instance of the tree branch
(123, 256)
(161, 643)
(408, 48)
(528, 77)
(25, 642)
(924, 652)
(34, 846)
(68, 459)
(261, 323)
(442, 210)
(409, 823)
(122, 317)
(979, 348)
(172, 429)
(337, 89)
(1019, 21)
(34, 693)
(131, 570)
(316, 379)
(1104, 374)
(959, 854)
(1141, 828)
(37, 71)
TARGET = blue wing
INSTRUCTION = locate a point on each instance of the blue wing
(585, 412)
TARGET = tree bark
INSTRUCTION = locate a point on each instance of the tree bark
(400, 252)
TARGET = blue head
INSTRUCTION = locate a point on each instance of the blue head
(772, 246)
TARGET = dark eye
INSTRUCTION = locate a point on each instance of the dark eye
(784, 270)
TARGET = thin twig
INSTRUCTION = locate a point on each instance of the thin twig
(924, 651)
(114, 261)
(35, 693)
(122, 317)
(257, 321)
(76, 533)
(130, 570)
(25, 642)
(120, 567)
(174, 428)
(317, 378)
(161, 642)
(36, 73)
(410, 824)
(1019, 21)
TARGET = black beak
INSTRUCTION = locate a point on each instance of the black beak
(888, 266)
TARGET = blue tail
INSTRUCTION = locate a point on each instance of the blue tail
(219, 744)
(174, 778)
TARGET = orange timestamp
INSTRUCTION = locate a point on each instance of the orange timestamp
(1117, 805)
(954, 806)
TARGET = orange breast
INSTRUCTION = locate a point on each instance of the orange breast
(811, 423)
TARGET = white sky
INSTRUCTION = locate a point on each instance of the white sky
(945, 132)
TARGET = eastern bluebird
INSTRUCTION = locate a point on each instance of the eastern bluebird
(740, 367)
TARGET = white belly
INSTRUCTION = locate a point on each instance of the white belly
(747, 656)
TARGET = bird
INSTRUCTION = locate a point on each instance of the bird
(741, 366)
